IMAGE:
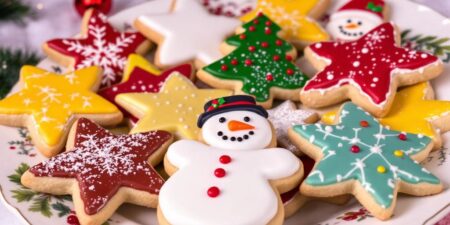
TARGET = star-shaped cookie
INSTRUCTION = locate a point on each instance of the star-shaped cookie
(101, 170)
(361, 157)
(175, 108)
(415, 111)
(295, 17)
(48, 104)
(285, 116)
(99, 44)
(141, 81)
(135, 60)
(368, 70)
(189, 33)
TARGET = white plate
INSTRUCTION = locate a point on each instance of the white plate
(16, 149)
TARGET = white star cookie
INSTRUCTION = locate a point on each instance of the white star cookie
(285, 116)
(188, 34)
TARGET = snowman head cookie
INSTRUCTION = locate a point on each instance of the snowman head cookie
(356, 18)
(236, 123)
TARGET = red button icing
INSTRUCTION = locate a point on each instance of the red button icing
(225, 159)
(213, 192)
(219, 172)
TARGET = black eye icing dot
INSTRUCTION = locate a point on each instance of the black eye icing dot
(245, 136)
(360, 23)
(349, 21)
(233, 139)
(220, 133)
(225, 137)
(222, 119)
(239, 139)
(247, 119)
(251, 133)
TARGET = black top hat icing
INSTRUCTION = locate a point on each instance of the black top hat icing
(230, 103)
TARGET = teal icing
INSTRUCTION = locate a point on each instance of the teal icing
(377, 146)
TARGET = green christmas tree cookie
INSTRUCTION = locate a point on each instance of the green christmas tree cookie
(361, 157)
(260, 64)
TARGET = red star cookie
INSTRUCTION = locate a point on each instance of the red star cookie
(102, 170)
(368, 70)
(98, 45)
(141, 81)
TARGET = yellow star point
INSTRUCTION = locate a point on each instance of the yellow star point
(135, 60)
(414, 110)
(175, 108)
(48, 103)
(293, 17)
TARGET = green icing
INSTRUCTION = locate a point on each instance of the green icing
(255, 77)
(377, 146)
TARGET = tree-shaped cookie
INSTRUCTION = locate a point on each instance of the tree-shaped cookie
(361, 157)
(260, 64)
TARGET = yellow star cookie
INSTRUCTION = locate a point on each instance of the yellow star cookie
(294, 18)
(135, 60)
(415, 111)
(48, 104)
(175, 108)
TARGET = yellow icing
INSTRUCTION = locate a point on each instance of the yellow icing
(135, 60)
(175, 108)
(412, 111)
(51, 99)
(292, 17)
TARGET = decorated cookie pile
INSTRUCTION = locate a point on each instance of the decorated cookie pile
(234, 141)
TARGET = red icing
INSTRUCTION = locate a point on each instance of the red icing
(402, 137)
(102, 163)
(213, 192)
(219, 172)
(362, 5)
(355, 149)
(86, 51)
(367, 63)
(364, 123)
(225, 159)
(142, 81)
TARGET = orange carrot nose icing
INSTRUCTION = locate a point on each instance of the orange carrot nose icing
(351, 26)
(235, 125)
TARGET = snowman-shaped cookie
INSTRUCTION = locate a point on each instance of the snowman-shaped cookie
(356, 18)
(235, 177)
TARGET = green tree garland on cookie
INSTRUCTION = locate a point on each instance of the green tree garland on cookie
(260, 61)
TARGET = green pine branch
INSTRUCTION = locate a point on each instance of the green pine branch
(15, 178)
(10, 64)
(13, 10)
(62, 209)
(23, 195)
(42, 204)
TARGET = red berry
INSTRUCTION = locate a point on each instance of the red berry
(364, 123)
(402, 137)
(288, 58)
(269, 77)
(248, 62)
(234, 62)
(290, 71)
(224, 67)
(278, 42)
(219, 172)
(225, 159)
(276, 57)
(264, 44)
(73, 220)
(12, 147)
(268, 31)
(213, 192)
(251, 48)
(355, 149)
(242, 36)
(251, 28)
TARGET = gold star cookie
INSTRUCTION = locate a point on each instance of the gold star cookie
(48, 104)
(415, 111)
(175, 108)
(295, 17)
(135, 60)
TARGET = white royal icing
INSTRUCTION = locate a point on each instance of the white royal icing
(246, 196)
(190, 32)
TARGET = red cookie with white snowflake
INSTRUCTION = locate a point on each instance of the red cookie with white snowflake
(98, 44)
(101, 170)
(368, 71)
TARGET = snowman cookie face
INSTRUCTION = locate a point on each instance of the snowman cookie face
(350, 26)
(237, 130)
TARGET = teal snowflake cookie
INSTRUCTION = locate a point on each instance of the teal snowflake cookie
(360, 156)
(260, 65)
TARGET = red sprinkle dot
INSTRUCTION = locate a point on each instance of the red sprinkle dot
(251, 48)
(269, 77)
(251, 28)
(255, 21)
(224, 67)
(402, 137)
(260, 14)
(364, 123)
(276, 57)
(264, 44)
(268, 23)
(225, 159)
(12, 147)
(268, 31)
(242, 36)
(355, 149)
(278, 42)
(234, 62)
(288, 58)
(290, 71)
(219, 172)
(248, 62)
(213, 192)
